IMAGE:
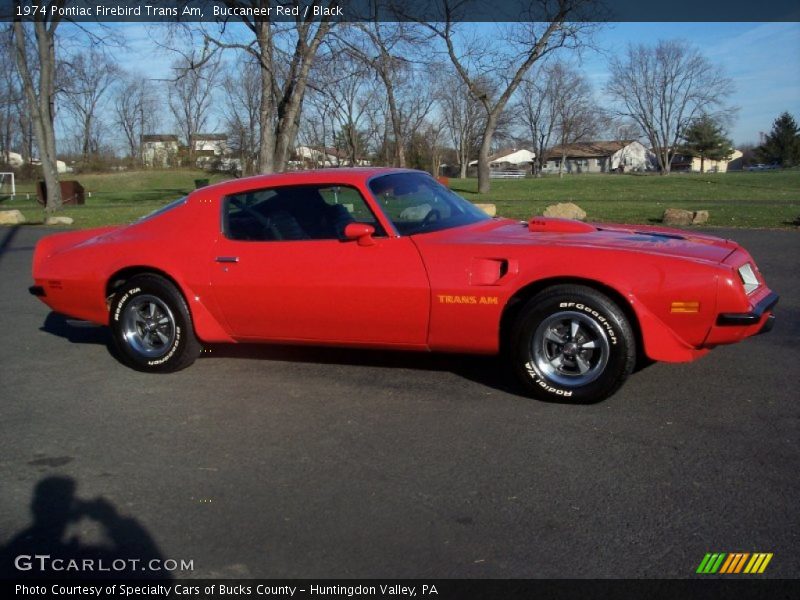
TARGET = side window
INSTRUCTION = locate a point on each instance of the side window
(295, 213)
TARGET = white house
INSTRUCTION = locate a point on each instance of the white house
(13, 159)
(693, 164)
(509, 158)
(210, 149)
(61, 166)
(322, 157)
(599, 157)
(160, 151)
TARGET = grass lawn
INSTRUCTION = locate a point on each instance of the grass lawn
(115, 197)
(739, 199)
(768, 199)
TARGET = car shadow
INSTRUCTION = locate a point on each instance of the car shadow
(485, 370)
(489, 371)
(75, 330)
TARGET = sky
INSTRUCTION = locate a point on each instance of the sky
(762, 59)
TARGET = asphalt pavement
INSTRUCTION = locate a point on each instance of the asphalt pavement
(289, 462)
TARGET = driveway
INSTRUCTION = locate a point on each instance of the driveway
(275, 462)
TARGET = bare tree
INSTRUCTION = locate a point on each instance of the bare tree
(285, 53)
(190, 97)
(464, 117)
(241, 112)
(663, 88)
(136, 109)
(37, 71)
(16, 124)
(385, 48)
(89, 75)
(433, 134)
(577, 117)
(319, 126)
(345, 85)
(525, 43)
(11, 97)
(537, 111)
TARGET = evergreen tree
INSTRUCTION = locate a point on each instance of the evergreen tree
(707, 139)
(782, 145)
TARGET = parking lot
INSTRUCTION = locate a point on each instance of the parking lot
(292, 462)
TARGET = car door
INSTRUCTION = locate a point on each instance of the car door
(282, 272)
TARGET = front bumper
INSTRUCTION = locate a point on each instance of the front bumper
(752, 317)
(730, 328)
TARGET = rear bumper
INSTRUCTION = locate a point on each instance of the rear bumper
(752, 317)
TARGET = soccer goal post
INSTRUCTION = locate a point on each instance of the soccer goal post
(7, 185)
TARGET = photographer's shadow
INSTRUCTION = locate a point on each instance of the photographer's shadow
(126, 553)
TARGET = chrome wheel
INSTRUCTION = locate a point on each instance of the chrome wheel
(570, 348)
(148, 326)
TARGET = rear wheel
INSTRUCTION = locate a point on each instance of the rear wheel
(572, 344)
(151, 326)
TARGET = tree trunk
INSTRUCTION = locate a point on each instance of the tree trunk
(663, 161)
(561, 164)
(702, 164)
(266, 139)
(484, 182)
(86, 146)
(397, 130)
(41, 103)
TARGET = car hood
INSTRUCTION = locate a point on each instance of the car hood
(544, 231)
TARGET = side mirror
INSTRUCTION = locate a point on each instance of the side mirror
(360, 232)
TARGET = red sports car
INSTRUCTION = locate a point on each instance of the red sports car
(390, 258)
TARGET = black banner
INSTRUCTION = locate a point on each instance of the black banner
(106, 11)
(439, 589)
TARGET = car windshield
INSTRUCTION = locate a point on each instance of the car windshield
(417, 203)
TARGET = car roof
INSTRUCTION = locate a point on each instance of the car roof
(342, 176)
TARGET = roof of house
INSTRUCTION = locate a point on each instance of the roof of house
(328, 151)
(209, 136)
(524, 155)
(588, 149)
(507, 152)
(159, 137)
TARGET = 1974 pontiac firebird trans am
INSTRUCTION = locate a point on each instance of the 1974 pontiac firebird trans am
(390, 258)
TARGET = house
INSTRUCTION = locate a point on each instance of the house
(509, 158)
(160, 150)
(13, 160)
(599, 157)
(692, 164)
(61, 166)
(316, 157)
(209, 148)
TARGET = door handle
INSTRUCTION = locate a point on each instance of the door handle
(227, 259)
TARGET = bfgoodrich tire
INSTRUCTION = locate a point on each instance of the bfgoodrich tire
(151, 327)
(572, 343)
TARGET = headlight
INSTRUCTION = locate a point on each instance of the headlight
(748, 277)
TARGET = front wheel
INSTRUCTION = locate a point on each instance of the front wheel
(572, 344)
(151, 326)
